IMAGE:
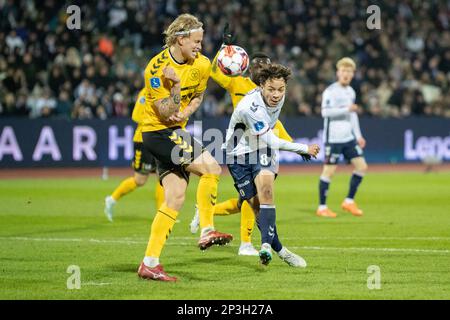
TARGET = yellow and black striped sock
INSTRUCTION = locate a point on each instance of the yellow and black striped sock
(247, 222)
(227, 207)
(159, 195)
(125, 187)
(161, 228)
(206, 199)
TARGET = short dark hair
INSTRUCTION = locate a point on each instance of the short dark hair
(273, 71)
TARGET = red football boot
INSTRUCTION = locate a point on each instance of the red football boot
(214, 237)
(156, 273)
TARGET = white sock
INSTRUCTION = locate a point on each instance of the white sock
(111, 199)
(322, 207)
(348, 200)
(151, 262)
(206, 230)
(282, 252)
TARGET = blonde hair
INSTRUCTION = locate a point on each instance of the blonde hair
(182, 26)
(346, 62)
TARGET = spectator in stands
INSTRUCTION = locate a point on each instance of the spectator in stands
(404, 68)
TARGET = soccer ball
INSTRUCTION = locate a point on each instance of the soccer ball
(232, 60)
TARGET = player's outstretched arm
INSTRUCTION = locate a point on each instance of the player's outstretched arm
(274, 142)
(170, 105)
(222, 80)
(228, 38)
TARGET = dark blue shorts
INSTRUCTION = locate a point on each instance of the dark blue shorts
(349, 150)
(245, 169)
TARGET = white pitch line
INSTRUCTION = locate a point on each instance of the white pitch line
(90, 283)
(72, 240)
(378, 249)
(354, 238)
(415, 250)
(173, 242)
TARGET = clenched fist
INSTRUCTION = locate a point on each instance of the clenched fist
(313, 149)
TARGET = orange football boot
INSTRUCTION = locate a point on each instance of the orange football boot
(352, 208)
(326, 213)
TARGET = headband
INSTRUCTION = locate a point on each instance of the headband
(185, 33)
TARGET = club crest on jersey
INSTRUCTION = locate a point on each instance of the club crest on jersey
(155, 83)
(142, 100)
(194, 74)
(259, 125)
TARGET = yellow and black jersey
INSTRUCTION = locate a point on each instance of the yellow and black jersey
(194, 77)
(138, 115)
(238, 87)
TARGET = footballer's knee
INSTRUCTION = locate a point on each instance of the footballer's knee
(364, 168)
(266, 195)
(213, 168)
(175, 199)
(205, 164)
(328, 172)
(140, 179)
(361, 167)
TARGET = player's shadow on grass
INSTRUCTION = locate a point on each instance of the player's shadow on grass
(211, 259)
(132, 219)
(247, 263)
(124, 267)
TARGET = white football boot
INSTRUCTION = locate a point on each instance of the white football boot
(291, 258)
(195, 223)
(247, 249)
(109, 208)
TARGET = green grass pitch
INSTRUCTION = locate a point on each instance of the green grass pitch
(48, 225)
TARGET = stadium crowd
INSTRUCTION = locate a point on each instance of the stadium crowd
(47, 70)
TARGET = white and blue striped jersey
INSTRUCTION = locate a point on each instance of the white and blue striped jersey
(340, 125)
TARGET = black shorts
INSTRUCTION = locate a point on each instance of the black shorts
(174, 149)
(349, 150)
(143, 161)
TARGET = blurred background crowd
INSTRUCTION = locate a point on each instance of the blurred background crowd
(47, 70)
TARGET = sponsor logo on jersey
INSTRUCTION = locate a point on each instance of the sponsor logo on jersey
(155, 82)
(259, 125)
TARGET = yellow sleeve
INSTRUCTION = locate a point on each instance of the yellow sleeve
(156, 86)
(205, 76)
(138, 111)
(281, 132)
(217, 75)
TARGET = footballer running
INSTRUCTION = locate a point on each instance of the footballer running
(253, 164)
(175, 81)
